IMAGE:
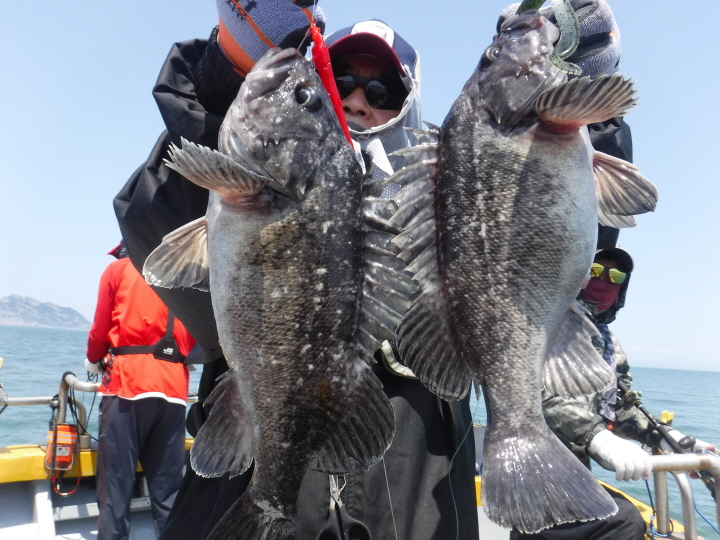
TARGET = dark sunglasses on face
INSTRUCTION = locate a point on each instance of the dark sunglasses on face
(379, 95)
(616, 276)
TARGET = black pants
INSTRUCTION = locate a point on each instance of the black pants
(152, 431)
(627, 524)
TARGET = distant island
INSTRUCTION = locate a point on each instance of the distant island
(23, 311)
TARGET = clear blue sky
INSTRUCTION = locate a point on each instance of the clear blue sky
(78, 117)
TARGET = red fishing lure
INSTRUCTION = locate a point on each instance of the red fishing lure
(321, 59)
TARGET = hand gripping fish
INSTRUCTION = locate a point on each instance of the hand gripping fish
(499, 214)
(295, 292)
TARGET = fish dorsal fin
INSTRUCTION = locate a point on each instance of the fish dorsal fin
(181, 260)
(622, 191)
(573, 366)
(425, 337)
(213, 170)
(583, 101)
(387, 287)
(362, 431)
(225, 442)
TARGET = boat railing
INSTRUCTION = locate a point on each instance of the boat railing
(60, 402)
(679, 465)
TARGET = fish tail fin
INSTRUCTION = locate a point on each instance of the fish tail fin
(533, 481)
(247, 521)
(583, 101)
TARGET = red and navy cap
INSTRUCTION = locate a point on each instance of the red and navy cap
(374, 38)
(119, 251)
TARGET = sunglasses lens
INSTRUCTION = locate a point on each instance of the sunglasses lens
(616, 276)
(345, 85)
(376, 94)
(596, 270)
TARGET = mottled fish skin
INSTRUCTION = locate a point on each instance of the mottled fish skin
(286, 280)
(516, 225)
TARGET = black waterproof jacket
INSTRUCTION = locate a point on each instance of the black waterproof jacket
(409, 491)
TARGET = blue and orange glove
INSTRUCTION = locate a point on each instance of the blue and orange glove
(248, 28)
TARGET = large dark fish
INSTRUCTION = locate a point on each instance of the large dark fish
(284, 242)
(499, 211)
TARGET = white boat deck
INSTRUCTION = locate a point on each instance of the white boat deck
(32, 511)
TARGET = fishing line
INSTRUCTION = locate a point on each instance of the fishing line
(307, 33)
(452, 493)
(387, 483)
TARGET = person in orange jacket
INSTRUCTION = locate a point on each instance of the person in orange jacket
(140, 347)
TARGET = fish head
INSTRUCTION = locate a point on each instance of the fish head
(516, 68)
(282, 122)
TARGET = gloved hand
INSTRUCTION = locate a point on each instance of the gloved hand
(629, 461)
(675, 434)
(95, 369)
(248, 28)
(599, 49)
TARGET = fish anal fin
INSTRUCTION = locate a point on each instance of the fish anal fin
(363, 426)
(622, 191)
(426, 346)
(225, 442)
(181, 260)
(573, 366)
(583, 101)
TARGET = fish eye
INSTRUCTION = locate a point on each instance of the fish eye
(309, 98)
(492, 53)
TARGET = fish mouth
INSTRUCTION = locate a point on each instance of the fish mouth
(271, 71)
(548, 84)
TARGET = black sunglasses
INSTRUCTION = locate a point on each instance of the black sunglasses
(379, 95)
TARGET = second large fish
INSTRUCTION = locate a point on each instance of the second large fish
(499, 212)
(297, 315)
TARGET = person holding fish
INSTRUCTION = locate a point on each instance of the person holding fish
(377, 75)
(418, 490)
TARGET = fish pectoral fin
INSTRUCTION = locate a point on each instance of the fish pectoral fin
(362, 432)
(583, 101)
(573, 366)
(225, 441)
(217, 172)
(622, 191)
(181, 260)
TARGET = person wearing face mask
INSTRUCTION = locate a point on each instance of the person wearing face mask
(606, 426)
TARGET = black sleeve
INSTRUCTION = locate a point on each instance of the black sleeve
(157, 200)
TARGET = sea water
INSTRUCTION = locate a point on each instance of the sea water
(36, 358)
